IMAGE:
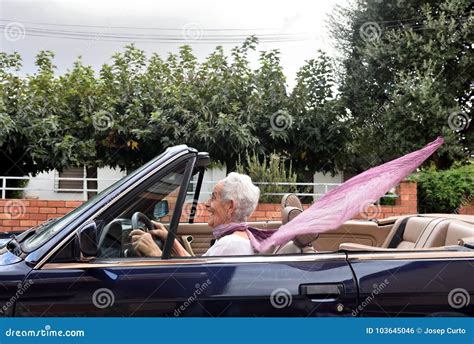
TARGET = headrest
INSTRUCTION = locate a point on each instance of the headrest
(291, 200)
(289, 213)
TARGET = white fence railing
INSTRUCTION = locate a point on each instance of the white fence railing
(84, 190)
(324, 187)
(318, 189)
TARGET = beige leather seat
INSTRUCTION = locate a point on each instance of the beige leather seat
(291, 207)
(407, 233)
(421, 232)
(451, 232)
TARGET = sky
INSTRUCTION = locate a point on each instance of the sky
(95, 29)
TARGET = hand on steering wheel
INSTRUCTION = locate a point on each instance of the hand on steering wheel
(145, 239)
(160, 231)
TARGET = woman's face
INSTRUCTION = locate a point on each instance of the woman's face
(220, 211)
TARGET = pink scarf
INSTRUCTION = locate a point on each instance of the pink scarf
(229, 228)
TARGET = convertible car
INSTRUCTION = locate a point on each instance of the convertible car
(83, 264)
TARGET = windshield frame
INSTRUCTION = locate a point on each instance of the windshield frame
(173, 229)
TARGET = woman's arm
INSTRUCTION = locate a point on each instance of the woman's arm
(179, 250)
(161, 232)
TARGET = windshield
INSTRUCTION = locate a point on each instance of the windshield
(47, 232)
(155, 198)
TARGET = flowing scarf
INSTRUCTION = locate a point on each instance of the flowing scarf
(348, 199)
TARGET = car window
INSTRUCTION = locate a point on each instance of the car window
(188, 202)
(48, 230)
(156, 199)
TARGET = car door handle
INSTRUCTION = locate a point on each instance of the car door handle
(322, 292)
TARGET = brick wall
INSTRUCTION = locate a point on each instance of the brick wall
(467, 209)
(406, 203)
(21, 214)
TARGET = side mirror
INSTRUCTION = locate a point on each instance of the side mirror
(87, 241)
(161, 209)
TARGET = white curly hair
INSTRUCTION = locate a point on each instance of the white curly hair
(239, 188)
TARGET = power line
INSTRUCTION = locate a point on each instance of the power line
(195, 36)
(197, 41)
(133, 27)
(159, 36)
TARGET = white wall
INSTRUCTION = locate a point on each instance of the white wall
(103, 174)
(43, 185)
(43, 188)
(213, 174)
(320, 177)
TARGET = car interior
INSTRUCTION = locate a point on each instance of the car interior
(412, 232)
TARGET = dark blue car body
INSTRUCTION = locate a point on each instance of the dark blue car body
(46, 282)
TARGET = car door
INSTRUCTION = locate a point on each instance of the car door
(295, 285)
(423, 283)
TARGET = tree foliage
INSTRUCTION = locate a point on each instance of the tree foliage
(136, 106)
(445, 191)
(269, 171)
(406, 78)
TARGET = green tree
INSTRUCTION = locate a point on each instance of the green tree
(407, 69)
(319, 132)
(268, 172)
(136, 106)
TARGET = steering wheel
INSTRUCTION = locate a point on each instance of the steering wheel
(142, 222)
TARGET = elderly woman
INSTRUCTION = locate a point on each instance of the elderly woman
(233, 200)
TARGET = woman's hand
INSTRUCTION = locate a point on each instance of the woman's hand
(160, 232)
(144, 244)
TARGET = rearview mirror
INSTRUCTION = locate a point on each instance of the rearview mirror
(87, 240)
(161, 209)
